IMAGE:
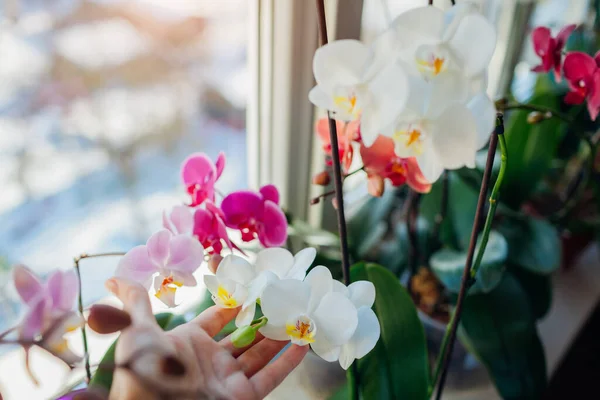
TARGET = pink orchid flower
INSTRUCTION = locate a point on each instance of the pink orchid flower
(550, 49)
(50, 314)
(199, 175)
(346, 133)
(256, 215)
(381, 162)
(173, 257)
(583, 75)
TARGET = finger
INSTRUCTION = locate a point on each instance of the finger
(238, 351)
(273, 374)
(134, 297)
(260, 355)
(213, 319)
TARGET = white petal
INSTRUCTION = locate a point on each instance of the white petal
(325, 349)
(302, 262)
(454, 136)
(389, 92)
(212, 283)
(258, 285)
(484, 111)
(475, 55)
(364, 338)
(235, 268)
(321, 282)
(185, 278)
(362, 293)
(274, 332)
(430, 164)
(421, 25)
(275, 259)
(240, 294)
(321, 99)
(446, 89)
(285, 299)
(339, 287)
(384, 50)
(246, 315)
(455, 15)
(340, 63)
(336, 318)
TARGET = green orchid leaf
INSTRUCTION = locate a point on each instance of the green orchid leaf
(500, 328)
(397, 368)
(448, 265)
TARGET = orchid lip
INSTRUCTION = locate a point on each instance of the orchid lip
(301, 330)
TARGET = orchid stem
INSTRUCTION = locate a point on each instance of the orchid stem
(339, 195)
(533, 107)
(316, 200)
(443, 362)
(76, 260)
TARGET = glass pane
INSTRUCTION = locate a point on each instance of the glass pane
(100, 102)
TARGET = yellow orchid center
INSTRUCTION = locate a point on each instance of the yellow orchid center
(302, 332)
(168, 287)
(347, 103)
(226, 298)
(411, 138)
(398, 168)
(59, 347)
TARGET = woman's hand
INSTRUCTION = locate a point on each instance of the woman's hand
(187, 363)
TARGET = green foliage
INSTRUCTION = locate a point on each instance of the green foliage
(455, 230)
(531, 148)
(103, 377)
(500, 328)
(368, 225)
(397, 368)
(537, 287)
(533, 244)
(448, 265)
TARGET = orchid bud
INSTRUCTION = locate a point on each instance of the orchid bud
(243, 336)
(322, 178)
(213, 263)
(375, 186)
(107, 319)
(535, 117)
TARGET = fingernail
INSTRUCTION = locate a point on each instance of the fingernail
(111, 285)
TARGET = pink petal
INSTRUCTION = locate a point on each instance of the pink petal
(220, 164)
(180, 220)
(563, 35)
(375, 185)
(158, 247)
(578, 67)
(415, 178)
(597, 58)
(186, 254)
(136, 266)
(63, 287)
(542, 41)
(322, 129)
(377, 157)
(33, 321)
(270, 192)
(574, 98)
(27, 284)
(198, 168)
(239, 206)
(202, 223)
(594, 97)
(210, 206)
(273, 230)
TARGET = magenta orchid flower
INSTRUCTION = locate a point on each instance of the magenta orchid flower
(346, 133)
(173, 257)
(199, 175)
(256, 215)
(583, 75)
(381, 162)
(50, 312)
(549, 49)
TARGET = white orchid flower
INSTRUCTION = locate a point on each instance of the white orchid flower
(432, 42)
(239, 283)
(352, 81)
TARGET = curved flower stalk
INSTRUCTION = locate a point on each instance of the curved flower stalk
(256, 215)
(337, 321)
(550, 49)
(239, 283)
(199, 175)
(582, 73)
(173, 257)
(50, 313)
(351, 83)
(381, 162)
